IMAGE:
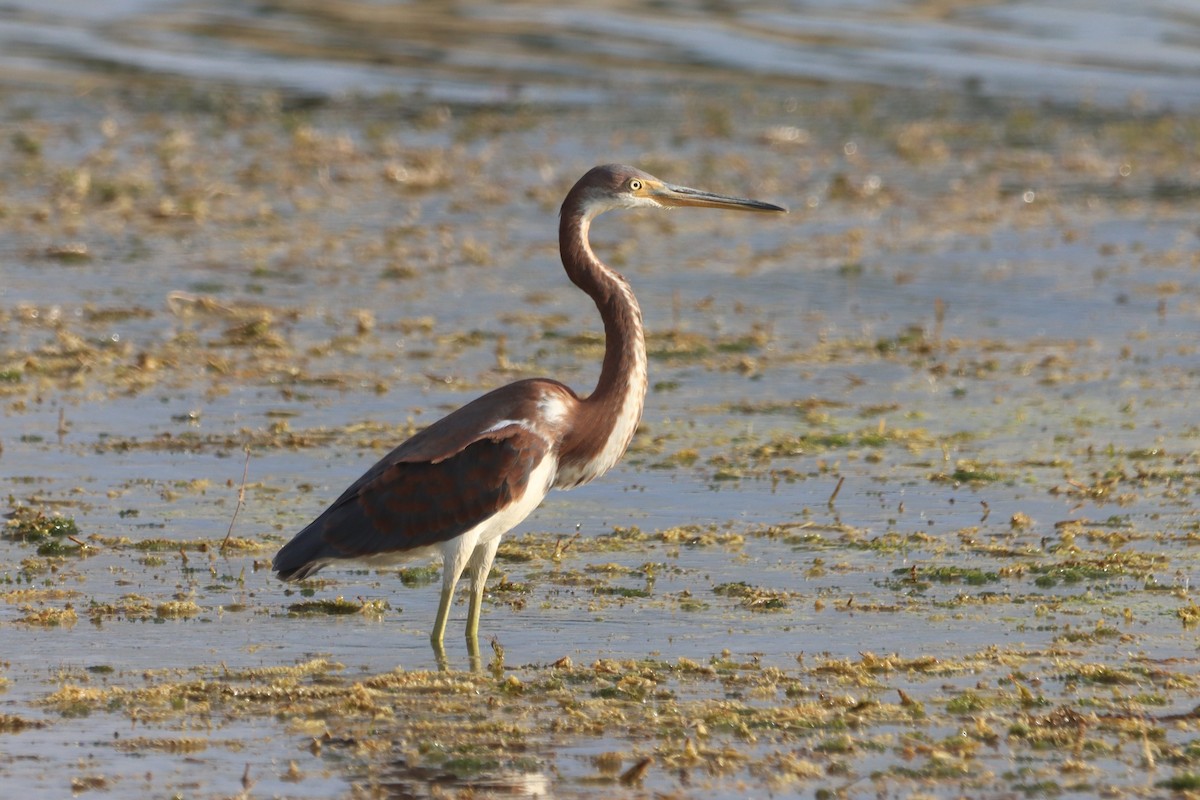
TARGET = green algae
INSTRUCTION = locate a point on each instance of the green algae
(34, 525)
(338, 607)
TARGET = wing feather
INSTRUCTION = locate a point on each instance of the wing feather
(415, 504)
(440, 483)
(402, 503)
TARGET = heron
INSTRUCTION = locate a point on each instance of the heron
(460, 484)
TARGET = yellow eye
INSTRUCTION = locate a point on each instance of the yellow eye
(635, 185)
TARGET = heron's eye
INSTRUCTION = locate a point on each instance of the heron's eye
(635, 185)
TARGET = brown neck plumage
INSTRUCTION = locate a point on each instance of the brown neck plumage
(607, 418)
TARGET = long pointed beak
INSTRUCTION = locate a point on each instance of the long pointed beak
(672, 196)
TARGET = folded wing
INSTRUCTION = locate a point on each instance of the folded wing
(418, 496)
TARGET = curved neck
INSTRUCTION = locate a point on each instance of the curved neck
(609, 416)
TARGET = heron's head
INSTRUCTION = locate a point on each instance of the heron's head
(612, 186)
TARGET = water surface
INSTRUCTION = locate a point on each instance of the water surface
(979, 318)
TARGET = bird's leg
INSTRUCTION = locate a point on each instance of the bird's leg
(454, 561)
(479, 566)
(443, 614)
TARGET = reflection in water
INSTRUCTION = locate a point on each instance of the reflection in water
(421, 782)
(403, 781)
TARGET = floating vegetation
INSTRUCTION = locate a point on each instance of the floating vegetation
(972, 576)
(970, 472)
(177, 609)
(45, 617)
(26, 524)
(12, 723)
(173, 745)
(339, 607)
(54, 534)
(753, 598)
(689, 731)
(156, 545)
(414, 577)
(621, 591)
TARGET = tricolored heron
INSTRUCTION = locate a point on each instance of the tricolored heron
(460, 484)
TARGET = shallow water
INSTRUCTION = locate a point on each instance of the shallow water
(1107, 53)
(979, 314)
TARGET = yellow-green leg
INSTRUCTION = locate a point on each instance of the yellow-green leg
(479, 566)
(453, 563)
(443, 613)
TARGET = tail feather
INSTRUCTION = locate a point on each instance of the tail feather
(297, 573)
(302, 556)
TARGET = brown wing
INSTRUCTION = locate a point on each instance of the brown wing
(414, 504)
(439, 484)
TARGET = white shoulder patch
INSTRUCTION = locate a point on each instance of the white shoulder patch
(502, 424)
(552, 409)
